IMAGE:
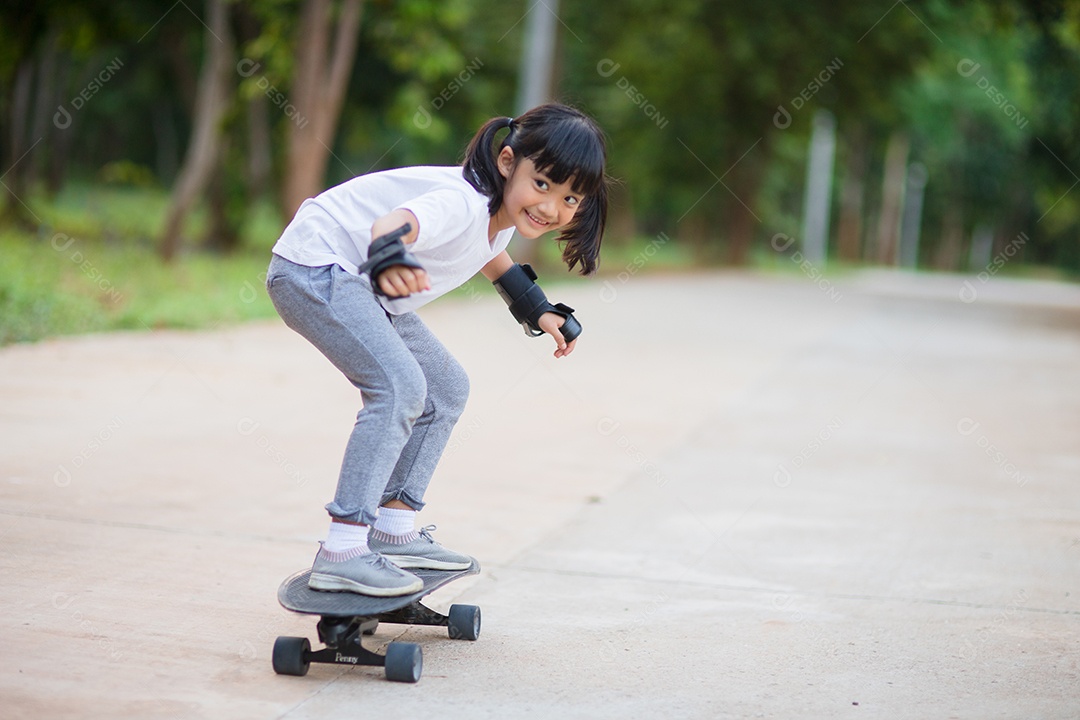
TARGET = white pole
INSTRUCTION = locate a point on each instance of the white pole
(537, 54)
(982, 245)
(912, 218)
(816, 199)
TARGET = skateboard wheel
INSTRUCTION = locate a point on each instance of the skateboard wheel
(291, 656)
(404, 662)
(464, 622)
(371, 630)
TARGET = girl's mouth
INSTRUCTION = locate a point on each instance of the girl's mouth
(537, 221)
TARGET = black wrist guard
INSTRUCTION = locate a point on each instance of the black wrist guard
(386, 251)
(527, 302)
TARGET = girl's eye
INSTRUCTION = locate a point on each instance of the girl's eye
(541, 184)
(571, 200)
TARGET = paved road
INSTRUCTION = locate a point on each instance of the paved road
(784, 497)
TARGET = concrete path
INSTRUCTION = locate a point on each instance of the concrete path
(780, 497)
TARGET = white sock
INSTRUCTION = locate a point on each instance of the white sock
(343, 537)
(394, 521)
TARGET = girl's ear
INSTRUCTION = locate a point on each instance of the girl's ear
(505, 161)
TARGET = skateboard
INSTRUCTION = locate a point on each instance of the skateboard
(345, 617)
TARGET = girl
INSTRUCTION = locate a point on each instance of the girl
(357, 261)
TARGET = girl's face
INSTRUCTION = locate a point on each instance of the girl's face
(531, 201)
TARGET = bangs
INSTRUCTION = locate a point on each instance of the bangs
(567, 146)
(569, 150)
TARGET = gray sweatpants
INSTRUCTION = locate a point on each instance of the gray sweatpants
(413, 390)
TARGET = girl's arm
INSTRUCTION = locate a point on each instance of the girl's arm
(498, 265)
(398, 280)
(548, 322)
(392, 221)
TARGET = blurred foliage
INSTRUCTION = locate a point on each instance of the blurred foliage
(708, 107)
(92, 267)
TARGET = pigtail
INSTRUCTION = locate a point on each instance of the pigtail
(480, 168)
(566, 145)
(582, 236)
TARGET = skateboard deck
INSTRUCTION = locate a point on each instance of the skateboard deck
(294, 594)
(345, 616)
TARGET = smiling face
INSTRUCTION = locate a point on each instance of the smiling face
(532, 202)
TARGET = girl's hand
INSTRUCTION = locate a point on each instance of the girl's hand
(399, 281)
(550, 323)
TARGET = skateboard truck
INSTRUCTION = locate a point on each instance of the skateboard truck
(292, 656)
(345, 617)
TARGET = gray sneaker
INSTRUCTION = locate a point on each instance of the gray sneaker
(421, 552)
(367, 574)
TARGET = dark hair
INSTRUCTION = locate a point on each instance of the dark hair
(564, 144)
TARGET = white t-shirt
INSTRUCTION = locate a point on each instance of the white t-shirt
(334, 227)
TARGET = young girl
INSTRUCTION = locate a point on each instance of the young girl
(357, 261)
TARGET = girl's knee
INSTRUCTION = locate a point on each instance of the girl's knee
(399, 396)
(453, 391)
(410, 392)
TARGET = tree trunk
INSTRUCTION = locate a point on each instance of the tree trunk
(259, 166)
(226, 199)
(741, 224)
(205, 146)
(14, 179)
(694, 231)
(166, 144)
(892, 198)
(949, 252)
(174, 44)
(59, 139)
(318, 91)
(739, 219)
(850, 224)
(43, 107)
(259, 156)
(622, 225)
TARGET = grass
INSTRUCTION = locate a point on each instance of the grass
(627, 257)
(48, 287)
(92, 267)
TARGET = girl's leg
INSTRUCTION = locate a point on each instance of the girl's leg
(340, 316)
(447, 391)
